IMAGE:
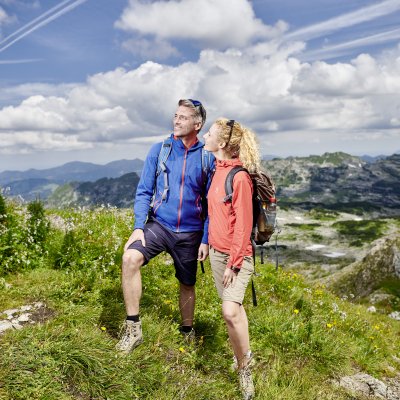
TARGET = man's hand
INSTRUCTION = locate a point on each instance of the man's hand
(203, 252)
(229, 278)
(137, 234)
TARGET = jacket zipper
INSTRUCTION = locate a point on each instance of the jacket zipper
(181, 190)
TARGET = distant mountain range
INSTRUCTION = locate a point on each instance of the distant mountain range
(117, 192)
(35, 183)
(334, 180)
(338, 181)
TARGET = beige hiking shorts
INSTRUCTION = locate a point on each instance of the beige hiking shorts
(236, 291)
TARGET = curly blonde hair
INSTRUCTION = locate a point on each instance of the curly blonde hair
(242, 143)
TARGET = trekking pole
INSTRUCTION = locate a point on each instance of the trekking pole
(253, 293)
(278, 231)
(202, 267)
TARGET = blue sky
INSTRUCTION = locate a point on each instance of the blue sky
(98, 80)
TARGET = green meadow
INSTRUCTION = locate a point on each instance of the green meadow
(304, 337)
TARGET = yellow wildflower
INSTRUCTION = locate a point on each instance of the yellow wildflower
(296, 311)
(182, 350)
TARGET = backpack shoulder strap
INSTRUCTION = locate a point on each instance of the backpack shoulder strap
(165, 151)
(205, 164)
(206, 160)
(229, 182)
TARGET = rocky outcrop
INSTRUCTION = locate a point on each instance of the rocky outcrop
(382, 263)
(367, 386)
(17, 318)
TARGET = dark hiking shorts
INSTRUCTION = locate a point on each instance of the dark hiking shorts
(183, 248)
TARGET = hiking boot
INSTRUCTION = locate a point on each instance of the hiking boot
(190, 336)
(246, 383)
(250, 361)
(131, 337)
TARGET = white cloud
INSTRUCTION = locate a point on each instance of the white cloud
(275, 94)
(219, 24)
(365, 76)
(4, 18)
(13, 95)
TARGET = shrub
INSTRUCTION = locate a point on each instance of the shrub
(3, 210)
(93, 240)
(38, 225)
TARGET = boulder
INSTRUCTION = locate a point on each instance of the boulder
(361, 278)
(370, 387)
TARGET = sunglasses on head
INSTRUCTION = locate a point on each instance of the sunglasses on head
(197, 103)
(230, 123)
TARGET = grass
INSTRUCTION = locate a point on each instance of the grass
(294, 328)
(322, 214)
(304, 227)
(302, 335)
(360, 232)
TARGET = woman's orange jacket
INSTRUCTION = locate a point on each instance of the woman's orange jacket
(230, 224)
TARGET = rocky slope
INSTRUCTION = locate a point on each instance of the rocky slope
(338, 181)
(380, 265)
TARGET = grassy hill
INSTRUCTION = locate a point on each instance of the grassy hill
(303, 336)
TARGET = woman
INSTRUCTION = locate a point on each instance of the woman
(229, 234)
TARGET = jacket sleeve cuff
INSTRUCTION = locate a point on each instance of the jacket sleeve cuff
(138, 225)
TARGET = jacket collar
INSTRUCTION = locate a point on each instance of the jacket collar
(197, 144)
(233, 162)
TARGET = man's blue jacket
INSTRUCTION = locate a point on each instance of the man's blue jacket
(182, 210)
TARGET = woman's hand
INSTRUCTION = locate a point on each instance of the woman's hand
(229, 278)
(203, 252)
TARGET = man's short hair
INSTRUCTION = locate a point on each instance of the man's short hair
(198, 108)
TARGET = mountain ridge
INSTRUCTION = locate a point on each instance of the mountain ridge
(74, 171)
(337, 181)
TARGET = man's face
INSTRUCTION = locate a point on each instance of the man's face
(184, 124)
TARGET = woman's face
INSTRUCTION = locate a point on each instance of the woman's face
(211, 140)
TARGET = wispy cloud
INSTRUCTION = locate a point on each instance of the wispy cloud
(346, 47)
(345, 20)
(45, 18)
(21, 61)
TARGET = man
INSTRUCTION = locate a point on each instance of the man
(175, 223)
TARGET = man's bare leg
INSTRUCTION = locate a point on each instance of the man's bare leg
(132, 261)
(132, 336)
